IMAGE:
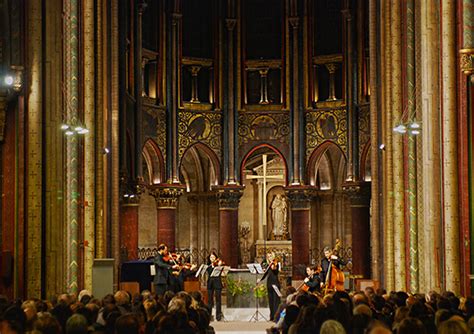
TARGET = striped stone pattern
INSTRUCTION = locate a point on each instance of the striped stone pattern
(72, 145)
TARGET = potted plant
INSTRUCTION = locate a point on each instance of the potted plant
(260, 292)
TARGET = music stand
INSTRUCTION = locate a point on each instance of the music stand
(255, 269)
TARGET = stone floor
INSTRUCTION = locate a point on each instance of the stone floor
(242, 320)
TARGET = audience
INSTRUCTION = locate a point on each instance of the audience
(367, 312)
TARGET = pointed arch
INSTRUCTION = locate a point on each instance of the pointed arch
(200, 149)
(319, 158)
(255, 148)
(365, 168)
(154, 161)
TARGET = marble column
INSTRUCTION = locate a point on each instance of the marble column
(166, 203)
(228, 199)
(359, 195)
(299, 198)
(450, 147)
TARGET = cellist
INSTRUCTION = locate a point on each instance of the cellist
(329, 259)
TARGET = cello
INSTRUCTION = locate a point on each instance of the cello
(335, 276)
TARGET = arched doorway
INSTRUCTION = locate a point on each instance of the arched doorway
(198, 221)
(330, 215)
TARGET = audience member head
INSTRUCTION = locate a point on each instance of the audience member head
(127, 324)
(332, 327)
(76, 324)
(47, 324)
(453, 326)
(122, 298)
(13, 321)
(411, 325)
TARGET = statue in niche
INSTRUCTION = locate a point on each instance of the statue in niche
(279, 208)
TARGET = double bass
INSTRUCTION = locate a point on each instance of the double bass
(335, 276)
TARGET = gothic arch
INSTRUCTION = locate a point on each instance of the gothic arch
(262, 146)
(365, 170)
(324, 161)
(154, 162)
(199, 153)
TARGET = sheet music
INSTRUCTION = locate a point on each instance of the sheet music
(202, 269)
(217, 271)
(225, 271)
(152, 270)
(258, 268)
(252, 268)
(277, 290)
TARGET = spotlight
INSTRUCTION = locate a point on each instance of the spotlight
(415, 125)
(9, 80)
(69, 132)
(382, 146)
(415, 132)
(78, 129)
(105, 150)
(83, 131)
(64, 127)
(400, 129)
(126, 195)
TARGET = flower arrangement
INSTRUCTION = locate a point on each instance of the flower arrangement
(260, 291)
(237, 287)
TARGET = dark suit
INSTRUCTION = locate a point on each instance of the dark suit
(272, 279)
(161, 279)
(314, 283)
(325, 265)
(214, 286)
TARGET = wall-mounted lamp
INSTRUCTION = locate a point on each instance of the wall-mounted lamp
(13, 79)
(70, 130)
(413, 128)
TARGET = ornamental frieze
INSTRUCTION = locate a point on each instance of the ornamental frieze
(322, 125)
(199, 127)
(155, 125)
(264, 127)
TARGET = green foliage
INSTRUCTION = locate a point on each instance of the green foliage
(260, 291)
(237, 287)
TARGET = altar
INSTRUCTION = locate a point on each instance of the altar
(242, 289)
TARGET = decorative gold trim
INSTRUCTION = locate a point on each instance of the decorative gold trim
(199, 106)
(331, 104)
(326, 59)
(192, 61)
(467, 61)
(262, 64)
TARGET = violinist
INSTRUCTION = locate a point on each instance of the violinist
(214, 286)
(271, 274)
(162, 269)
(313, 280)
(185, 270)
(329, 259)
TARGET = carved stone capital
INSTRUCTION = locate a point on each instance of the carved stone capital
(166, 195)
(294, 21)
(299, 196)
(228, 197)
(467, 61)
(358, 193)
(176, 17)
(230, 24)
(332, 67)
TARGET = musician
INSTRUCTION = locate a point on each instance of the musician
(313, 280)
(214, 286)
(271, 274)
(162, 270)
(329, 257)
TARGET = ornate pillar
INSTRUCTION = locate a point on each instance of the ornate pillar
(450, 147)
(166, 197)
(375, 142)
(359, 195)
(229, 126)
(299, 198)
(228, 198)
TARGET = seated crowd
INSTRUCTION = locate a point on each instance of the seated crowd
(371, 311)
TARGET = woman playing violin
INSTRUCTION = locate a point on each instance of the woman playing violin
(271, 274)
(214, 285)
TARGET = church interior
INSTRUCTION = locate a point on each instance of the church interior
(242, 127)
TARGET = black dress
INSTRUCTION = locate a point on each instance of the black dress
(272, 279)
(214, 287)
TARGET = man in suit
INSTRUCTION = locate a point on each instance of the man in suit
(329, 258)
(162, 270)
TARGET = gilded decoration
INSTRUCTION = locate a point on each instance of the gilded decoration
(322, 125)
(256, 127)
(202, 127)
(364, 128)
(467, 61)
(158, 116)
(166, 196)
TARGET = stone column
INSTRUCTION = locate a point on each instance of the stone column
(228, 198)
(359, 195)
(450, 146)
(166, 203)
(299, 198)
